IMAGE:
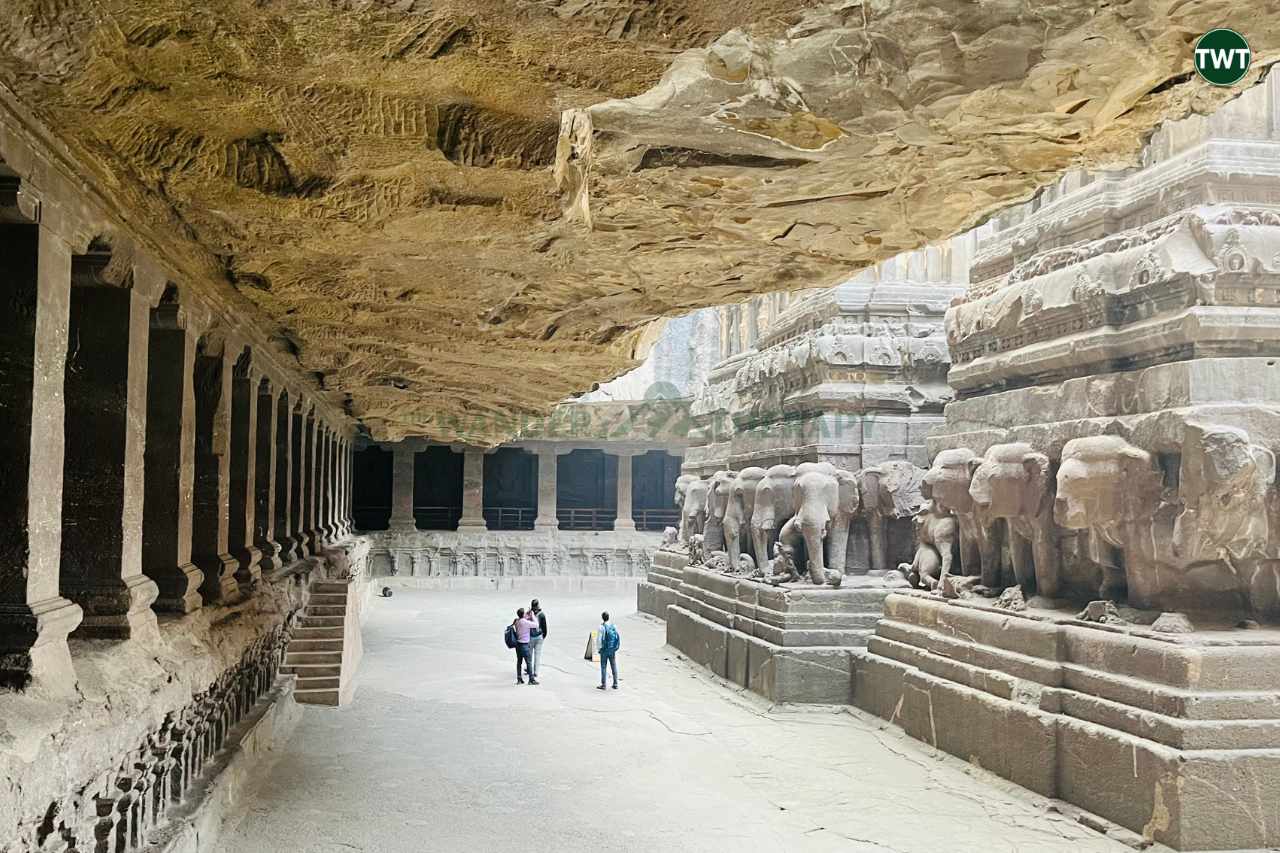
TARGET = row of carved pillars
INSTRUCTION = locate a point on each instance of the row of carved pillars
(150, 464)
(473, 488)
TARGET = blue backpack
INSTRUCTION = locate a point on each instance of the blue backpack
(610, 642)
(510, 636)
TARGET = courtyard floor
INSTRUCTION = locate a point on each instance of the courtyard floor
(441, 751)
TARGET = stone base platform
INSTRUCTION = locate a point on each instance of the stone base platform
(1175, 736)
(501, 554)
(789, 643)
(657, 591)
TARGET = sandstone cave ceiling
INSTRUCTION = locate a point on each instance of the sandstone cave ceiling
(455, 212)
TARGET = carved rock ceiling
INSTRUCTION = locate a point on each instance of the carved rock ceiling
(379, 178)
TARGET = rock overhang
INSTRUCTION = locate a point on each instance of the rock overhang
(391, 190)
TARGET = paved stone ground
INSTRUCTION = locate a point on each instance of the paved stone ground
(440, 751)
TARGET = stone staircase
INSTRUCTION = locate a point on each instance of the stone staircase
(316, 651)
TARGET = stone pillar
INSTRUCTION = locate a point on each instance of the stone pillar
(472, 491)
(349, 491)
(624, 521)
(402, 487)
(547, 504)
(312, 492)
(322, 483)
(285, 478)
(297, 478)
(169, 460)
(340, 491)
(35, 271)
(244, 474)
(264, 481)
(330, 485)
(103, 488)
(211, 522)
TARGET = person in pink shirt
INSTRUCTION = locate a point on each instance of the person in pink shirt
(525, 625)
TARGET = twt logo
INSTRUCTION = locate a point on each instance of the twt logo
(1222, 57)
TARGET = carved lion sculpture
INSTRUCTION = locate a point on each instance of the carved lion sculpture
(936, 531)
(1013, 482)
(1110, 488)
(696, 552)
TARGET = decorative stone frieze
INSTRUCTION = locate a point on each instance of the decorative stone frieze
(512, 553)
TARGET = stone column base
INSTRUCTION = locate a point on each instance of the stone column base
(301, 547)
(271, 558)
(179, 589)
(249, 573)
(466, 523)
(220, 585)
(33, 645)
(624, 524)
(121, 611)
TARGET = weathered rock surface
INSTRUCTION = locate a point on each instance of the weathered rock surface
(393, 187)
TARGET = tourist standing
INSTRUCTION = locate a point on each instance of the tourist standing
(535, 642)
(524, 628)
(607, 636)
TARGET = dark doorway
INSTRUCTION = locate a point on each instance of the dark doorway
(510, 489)
(372, 489)
(437, 488)
(587, 490)
(653, 490)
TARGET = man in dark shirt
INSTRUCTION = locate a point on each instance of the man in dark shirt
(535, 643)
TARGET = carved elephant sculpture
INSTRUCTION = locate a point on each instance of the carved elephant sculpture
(1013, 482)
(1224, 483)
(682, 491)
(1110, 488)
(718, 493)
(946, 484)
(889, 490)
(693, 506)
(936, 532)
(1223, 529)
(819, 519)
(773, 507)
(737, 516)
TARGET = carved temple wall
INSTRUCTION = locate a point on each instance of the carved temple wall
(1105, 569)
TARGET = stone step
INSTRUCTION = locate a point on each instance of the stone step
(318, 683)
(327, 696)
(329, 587)
(312, 670)
(331, 658)
(318, 632)
(325, 645)
(333, 599)
(326, 610)
(322, 621)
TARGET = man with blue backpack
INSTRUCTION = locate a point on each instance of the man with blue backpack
(609, 644)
